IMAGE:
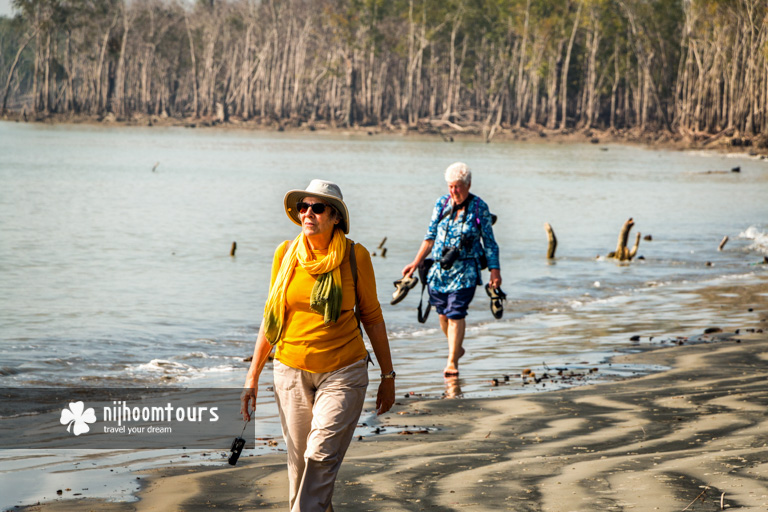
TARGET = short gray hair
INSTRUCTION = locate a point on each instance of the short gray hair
(458, 171)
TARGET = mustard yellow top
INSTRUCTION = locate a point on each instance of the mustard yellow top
(307, 343)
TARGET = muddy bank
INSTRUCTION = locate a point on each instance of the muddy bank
(728, 141)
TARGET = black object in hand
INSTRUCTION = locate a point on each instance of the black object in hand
(237, 447)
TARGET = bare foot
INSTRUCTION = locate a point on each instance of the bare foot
(450, 372)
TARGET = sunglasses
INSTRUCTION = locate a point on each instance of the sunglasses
(317, 208)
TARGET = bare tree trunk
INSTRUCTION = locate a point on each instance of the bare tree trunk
(552, 241)
(449, 95)
(622, 253)
(566, 64)
(36, 72)
(615, 86)
(47, 74)
(118, 101)
(100, 68)
(13, 69)
(195, 103)
(285, 59)
(70, 96)
(646, 62)
(554, 62)
(592, 71)
(351, 79)
(519, 91)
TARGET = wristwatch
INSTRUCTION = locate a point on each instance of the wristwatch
(390, 375)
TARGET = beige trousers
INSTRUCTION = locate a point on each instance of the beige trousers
(319, 413)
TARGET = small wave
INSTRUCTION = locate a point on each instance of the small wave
(759, 239)
(6, 371)
(197, 355)
(715, 155)
(220, 369)
(418, 332)
(164, 365)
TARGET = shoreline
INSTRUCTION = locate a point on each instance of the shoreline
(724, 142)
(654, 442)
(657, 441)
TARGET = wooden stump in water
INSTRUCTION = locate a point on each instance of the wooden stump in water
(552, 241)
(234, 248)
(622, 253)
(722, 243)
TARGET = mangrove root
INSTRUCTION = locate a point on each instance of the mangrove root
(552, 241)
(622, 253)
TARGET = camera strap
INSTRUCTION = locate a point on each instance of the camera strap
(465, 206)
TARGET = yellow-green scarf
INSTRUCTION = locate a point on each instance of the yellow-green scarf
(325, 298)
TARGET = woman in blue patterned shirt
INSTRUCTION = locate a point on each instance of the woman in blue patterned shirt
(460, 241)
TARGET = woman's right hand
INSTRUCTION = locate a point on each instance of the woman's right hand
(424, 250)
(248, 397)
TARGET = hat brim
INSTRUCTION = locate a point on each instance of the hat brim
(294, 196)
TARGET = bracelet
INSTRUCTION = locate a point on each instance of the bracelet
(390, 375)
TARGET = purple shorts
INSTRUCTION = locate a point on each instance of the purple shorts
(452, 304)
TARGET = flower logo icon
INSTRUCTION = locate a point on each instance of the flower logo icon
(77, 416)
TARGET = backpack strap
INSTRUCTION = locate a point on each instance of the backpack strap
(353, 266)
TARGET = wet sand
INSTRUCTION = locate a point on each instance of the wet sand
(694, 436)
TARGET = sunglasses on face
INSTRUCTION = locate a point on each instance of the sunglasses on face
(317, 208)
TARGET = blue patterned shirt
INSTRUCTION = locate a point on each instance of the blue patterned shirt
(447, 232)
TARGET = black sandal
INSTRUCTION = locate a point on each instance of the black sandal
(497, 298)
(402, 286)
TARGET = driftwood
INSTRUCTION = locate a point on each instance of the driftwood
(452, 126)
(722, 243)
(622, 253)
(552, 247)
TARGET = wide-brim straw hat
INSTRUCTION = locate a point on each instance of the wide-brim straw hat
(326, 190)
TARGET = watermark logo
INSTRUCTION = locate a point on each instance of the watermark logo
(118, 418)
(79, 417)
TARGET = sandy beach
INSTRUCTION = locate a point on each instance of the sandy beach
(694, 437)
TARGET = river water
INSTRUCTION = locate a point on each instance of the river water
(116, 269)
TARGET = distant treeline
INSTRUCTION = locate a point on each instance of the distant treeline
(692, 67)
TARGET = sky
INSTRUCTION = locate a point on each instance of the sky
(5, 8)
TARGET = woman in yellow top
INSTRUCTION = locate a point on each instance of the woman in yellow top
(320, 367)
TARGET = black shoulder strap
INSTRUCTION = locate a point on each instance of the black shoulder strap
(353, 266)
(424, 267)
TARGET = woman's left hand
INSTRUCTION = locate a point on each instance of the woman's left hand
(385, 398)
(495, 280)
